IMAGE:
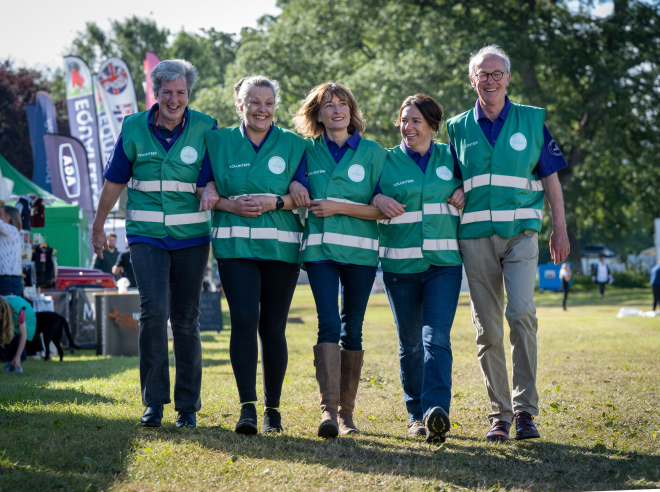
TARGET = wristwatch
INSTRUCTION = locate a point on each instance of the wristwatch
(280, 203)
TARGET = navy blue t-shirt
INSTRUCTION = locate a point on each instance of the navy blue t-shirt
(119, 170)
(551, 159)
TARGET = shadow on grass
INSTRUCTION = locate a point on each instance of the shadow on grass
(464, 461)
(46, 450)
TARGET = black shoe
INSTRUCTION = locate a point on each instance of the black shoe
(152, 416)
(272, 421)
(247, 423)
(525, 428)
(187, 420)
(436, 423)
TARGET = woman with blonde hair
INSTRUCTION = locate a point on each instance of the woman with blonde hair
(340, 241)
(256, 238)
(18, 323)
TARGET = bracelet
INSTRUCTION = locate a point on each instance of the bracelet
(376, 206)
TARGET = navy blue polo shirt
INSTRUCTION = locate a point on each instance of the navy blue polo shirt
(551, 159)
(119, 170)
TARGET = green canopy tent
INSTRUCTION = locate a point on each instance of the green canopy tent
(67, 229)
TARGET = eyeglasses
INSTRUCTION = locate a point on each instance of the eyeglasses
(483, 76)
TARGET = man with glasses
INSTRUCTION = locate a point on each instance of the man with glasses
(509, 163)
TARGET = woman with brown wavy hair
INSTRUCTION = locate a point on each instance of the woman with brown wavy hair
(340, 241)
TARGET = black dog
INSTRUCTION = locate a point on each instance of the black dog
(51, 325)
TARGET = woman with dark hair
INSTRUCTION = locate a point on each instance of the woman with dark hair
(11, 249)
(256, 237)
(340, 241)
(421, 194)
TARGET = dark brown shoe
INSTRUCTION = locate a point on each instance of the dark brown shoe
(525, 428)
(499, 431)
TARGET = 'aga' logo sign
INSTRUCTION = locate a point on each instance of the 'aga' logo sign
(69, 171)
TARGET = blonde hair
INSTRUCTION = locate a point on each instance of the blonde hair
(14, 216)
(307, 118)
(6, 321)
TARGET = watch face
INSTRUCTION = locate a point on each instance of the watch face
(280, 203)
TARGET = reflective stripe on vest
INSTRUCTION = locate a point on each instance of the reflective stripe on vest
(440, 209)
(411, 253)
(440, 244)
(404, 218)
(154, 186)
(341, 240)
(341, 200)
(183, 219)
(502, 215)
(144, 216)
(258, 233)
(236, 197)
(502, 180)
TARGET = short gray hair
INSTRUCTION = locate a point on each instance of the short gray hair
(242, 89)
(491, 49)
(170, 70)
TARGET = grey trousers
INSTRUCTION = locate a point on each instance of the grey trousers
(493, 264)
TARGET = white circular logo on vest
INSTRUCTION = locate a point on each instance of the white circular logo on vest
(188, 155)
(518, 141)
(276, 165)
(356, 173)
(443, 172)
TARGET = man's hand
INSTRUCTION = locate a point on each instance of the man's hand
(299, 194)
(559, 245)
(324, 208)
(247, 206)
(99, 242)
(457, 199)
(209, 197)
(389, 206)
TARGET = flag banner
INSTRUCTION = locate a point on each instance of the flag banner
(67, 161)
(82, 118)
(44, 122)
(150, 61)
(107, 137)
(117, 92)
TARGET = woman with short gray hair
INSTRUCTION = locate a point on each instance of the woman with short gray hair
(159, 155)
(256, 237)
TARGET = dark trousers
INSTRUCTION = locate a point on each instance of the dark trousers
(601, 287)
(170, 286)
(424, 305)
(656, 296)
(356, 284)
(259, 296)
(10, 285)
(565, 286)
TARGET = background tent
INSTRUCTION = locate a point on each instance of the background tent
(66, 230)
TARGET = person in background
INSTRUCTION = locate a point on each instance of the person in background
(11, 248)
(110, 257)
(655, 285)
(18, 323)
(600, 273)
(565, 275)
(124, 268)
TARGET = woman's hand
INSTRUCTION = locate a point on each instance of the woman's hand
(389, 206)
(99, 242)
(209, 197)
(299, 194)
(246, 206)
(458, 198)
(266, 202)
(324, 208)
(16, 362)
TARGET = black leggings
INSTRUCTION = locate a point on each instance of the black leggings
(259, 295)
(656, 296)
(566, 286)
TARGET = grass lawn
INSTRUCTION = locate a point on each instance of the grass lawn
(73, 425)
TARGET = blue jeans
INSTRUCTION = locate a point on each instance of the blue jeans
(170, 286)
(356, 284)
(11, 286)
(424, 305)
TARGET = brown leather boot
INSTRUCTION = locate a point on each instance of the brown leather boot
(351, 367)
(327, 361)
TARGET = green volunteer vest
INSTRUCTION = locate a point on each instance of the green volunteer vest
(352, 180)
(239, 170)
(503, 194)
(18, 303)
(427, 233)
(161, 191)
